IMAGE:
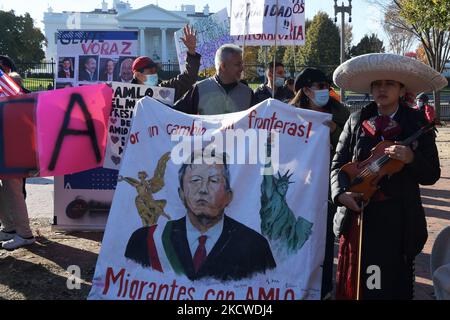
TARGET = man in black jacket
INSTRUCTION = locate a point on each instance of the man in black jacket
(265, 91)
(66, 69)
(88, 69)
(206, 243)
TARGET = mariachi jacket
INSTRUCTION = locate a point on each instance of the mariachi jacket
(402, 186)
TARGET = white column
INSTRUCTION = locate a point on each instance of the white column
(142, 41)
(163, 45)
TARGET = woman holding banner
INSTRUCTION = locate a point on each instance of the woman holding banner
(312, 92)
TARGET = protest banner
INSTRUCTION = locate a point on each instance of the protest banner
(250, 17)
(297, 35)
(55, 132)
(87, 57)
(213, 207)
(212, 32)
(125, 97)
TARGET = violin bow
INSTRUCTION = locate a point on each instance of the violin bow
(358, 282)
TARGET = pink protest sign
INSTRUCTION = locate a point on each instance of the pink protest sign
(72, 129)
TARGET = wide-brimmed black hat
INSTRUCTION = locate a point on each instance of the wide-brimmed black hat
(8, 62)
(308, 76)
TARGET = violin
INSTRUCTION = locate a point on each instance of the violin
(365, 175)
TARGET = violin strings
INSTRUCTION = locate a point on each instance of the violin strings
(379, 162)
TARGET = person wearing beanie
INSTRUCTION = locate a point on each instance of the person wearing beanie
(7, 64)
(145, 69)
(422, 104)
(312, 91)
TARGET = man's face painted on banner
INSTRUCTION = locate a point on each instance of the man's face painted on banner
(204, 191)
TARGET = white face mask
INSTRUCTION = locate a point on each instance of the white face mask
(152, 80)
(321, 97)
(420, 104)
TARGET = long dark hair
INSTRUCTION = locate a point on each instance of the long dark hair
(300, 100)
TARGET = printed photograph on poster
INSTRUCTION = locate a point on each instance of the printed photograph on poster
(84, 199)
(108, 69)
(88, 68)
(125, 69)
(66, 67)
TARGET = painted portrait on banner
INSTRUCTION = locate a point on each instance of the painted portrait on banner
(200, 209)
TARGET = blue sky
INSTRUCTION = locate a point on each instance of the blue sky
(366, 17)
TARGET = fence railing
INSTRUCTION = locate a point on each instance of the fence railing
(37, 76)
(357, 105)
(40, 76)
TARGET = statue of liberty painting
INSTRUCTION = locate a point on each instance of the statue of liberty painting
(148, 208)
(286, 232)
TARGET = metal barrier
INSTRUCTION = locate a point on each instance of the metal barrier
(37, 76)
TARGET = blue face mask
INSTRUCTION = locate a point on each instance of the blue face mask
(321, 97)
(152, 80)
(279, 82)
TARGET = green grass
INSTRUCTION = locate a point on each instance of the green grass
(33, 84)
(254, 85)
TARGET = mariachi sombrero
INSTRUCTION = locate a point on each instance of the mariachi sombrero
(358, 73)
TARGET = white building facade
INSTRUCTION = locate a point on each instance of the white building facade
(156, 26)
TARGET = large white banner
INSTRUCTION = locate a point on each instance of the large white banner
(260, 17)
(296, 10)
(211, 207)
(212, 32)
